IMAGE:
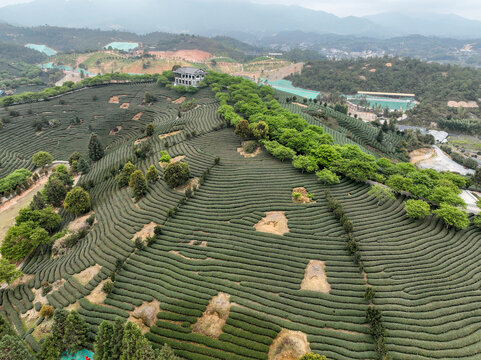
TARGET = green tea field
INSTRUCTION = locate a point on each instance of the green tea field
(240, 270)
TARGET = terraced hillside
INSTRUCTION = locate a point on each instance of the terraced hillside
(214, 249)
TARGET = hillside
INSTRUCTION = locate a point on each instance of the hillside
(433, 84)
(240, 266)
(67, 39)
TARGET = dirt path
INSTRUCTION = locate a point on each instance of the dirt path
(10, 209)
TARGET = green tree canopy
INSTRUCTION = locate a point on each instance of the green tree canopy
(13, 348)
(96, 151)
(305, 163)
(77, 201)
(452, 216)
(42, 158)
(8, 271)
(22, 239)
(327, 177)
(124, 176)
(152, 174)
(137, 184)
(417, 209)
(382, 193)
(177, 174)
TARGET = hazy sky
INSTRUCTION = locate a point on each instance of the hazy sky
(468, 8)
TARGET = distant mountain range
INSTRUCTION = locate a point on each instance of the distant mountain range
(219, 17)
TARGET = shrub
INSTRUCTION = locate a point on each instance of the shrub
(139, 244)
(177, 174)
(47, 311)
(107, 287)
(152, 174)
(90, 220)
(452, 216)
(164, 157)
(46, 288)
(157, 230)
(369, 293)
(296, 195)
(149, 129)
(124, 176)
(171, 212)
(250, 146)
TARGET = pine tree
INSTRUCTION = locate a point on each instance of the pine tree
(13, 348)
(5, 328)
(138, 184)
(385, 126)
(96, 151)
(118, 334)
(59, 322)
(76, 331)
(380, 136)
(105, 341)
(477, 176)
(134, 345)
(166, 353)
(38, 202)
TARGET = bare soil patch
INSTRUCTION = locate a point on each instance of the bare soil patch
(289, 345)
(362, 77)
(115, 99)
(163, 136)
(30, 318)
(186, 257)
(24, 279)
(137, 116)
(464, 104)
(202, 244)
(315, 278)
(187, 55)
(97, 296)
(299, 104)
(172, 160)
(179, 100)
(241, 151)
(388, 64)
(88, 274)
(275, 222)
(214, 316)
(138, 141)
(145, 315)
(192, 184)
(125, 106)
(115, 130)
(98, 117)
(421, 154)
(79, 223)
(372, 70)
(44, 329)
(304, 199)
(147, 231)
(75, 306)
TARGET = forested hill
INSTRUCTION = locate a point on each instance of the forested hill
(429, 81)
(71, 39)
(15, 53)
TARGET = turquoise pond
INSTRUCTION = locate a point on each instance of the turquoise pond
(286, 85)
(81, 355)
(378, 101)
(50, 65)
(124, 46)
(42, 48)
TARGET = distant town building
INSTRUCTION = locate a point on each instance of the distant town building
(188, 76)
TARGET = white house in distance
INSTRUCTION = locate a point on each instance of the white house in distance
(188, 76)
